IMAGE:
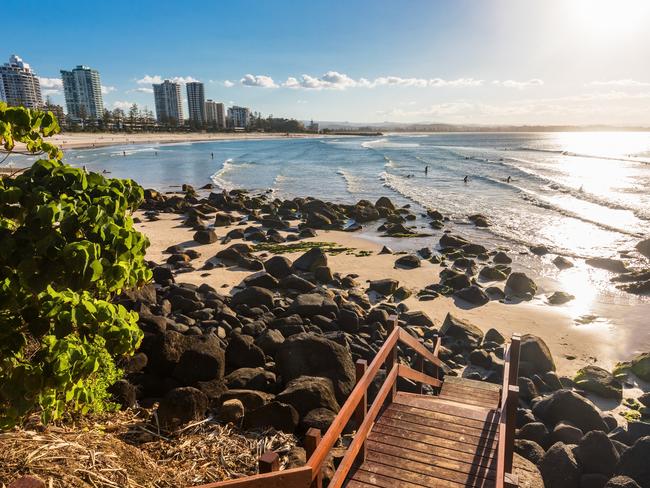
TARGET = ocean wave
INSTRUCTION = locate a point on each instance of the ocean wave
(387, 143)
(584, 155)
(353, 184)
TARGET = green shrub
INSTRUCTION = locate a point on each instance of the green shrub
(67, 247)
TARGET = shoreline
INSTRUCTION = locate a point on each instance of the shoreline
(573, 346)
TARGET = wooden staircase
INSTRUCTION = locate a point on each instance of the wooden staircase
(461, 437)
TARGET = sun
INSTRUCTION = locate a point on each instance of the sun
(608, 18)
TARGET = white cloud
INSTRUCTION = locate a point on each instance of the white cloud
(624, 82)
(108, 89)
(141, 89)
(228, 84)
(333, 80)
(124, 105)
(149, 80)
(262, 81)
(520, 85)
(51, 83)
(439, 82)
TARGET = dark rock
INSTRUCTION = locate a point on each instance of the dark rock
(536, 432)
(644, 247)
(593, 480)
(253, 296)
(409, 261)
(539, 250)
(493, 335)
(251, 399)
(566, 405)
(560, 298)
(323, 274)
(535, 356)
(527, 388)
(495, 293)
(385, 250)
(609, 264)
(562, 263)
(473, 294)
(597, 454)
(479, 220)
(481, 358)
(634, 462)
(492, 273)
(163, 276)
(501, 258)
(566, 433)
(310, 304)
(312, 259)
(123, 393)
(182, 405)
(311, 355)
(206, 236)
(530, 450)
(599, 381)
(349, 320)
(622, 482)
(269, 341)
(385, 287)
(639, 365)
(278, 415)
(231, 411)
(460, 334)
(451, 241)
(559, 467)
(243, 353)
(520, 286)
(278, 266)
(295, 282)
(318, 418)
(306, 393)
(251, 379)
(261, 279)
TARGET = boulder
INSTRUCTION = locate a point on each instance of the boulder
(243, 353)
(567, 433)
(269, 341)
(278, 415)
(409, 261)
(123, 393)
(567, 405)
(306, 393)
(384, 287)
(261, 279)
(492, 273)
(536, 432)
(251, 379)
(528, 475)
(451, 241)
(639, 365)
(562, 263)
(205, 236)
(311, 260)
(250, 399)
(597, 454)
(310, 304)
(560, 298)
(521, 286)
(599, 381)
(349, 320)
(530, 450)
(473, 294)
(384, 202)
(182, 405)
(460, 334)
(535, 356)
(493, 335)
(253, 296)
(231, 411)
(609, 264)
(188, 358)
(312, 355)
(644, 247)
(622, 482)
(501, 258)
(559, 467)
(318, 418)
(295, 282)
(278, 266)
(635, 462)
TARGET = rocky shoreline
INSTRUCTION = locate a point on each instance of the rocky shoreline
(279, 350)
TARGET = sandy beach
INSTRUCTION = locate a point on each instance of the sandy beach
(573, 346)
(86, 140)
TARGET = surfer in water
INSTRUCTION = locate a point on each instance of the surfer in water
(508, 179)
(426, 170)
(466, 179)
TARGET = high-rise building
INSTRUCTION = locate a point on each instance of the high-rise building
(239, 117)
(196, 102)
(83, 93)
(215, 114)
(169, 109)
(19, 85)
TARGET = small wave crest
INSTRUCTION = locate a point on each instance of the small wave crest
(353, 184)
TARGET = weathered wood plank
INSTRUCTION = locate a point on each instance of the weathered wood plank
(437, 431)
(414, 375)
(428, 449)
(468, 400)
(433, 459)
(481, 450)
(473, 383)
(428, 470)
(437, 420)
(445, 406)
(448, 431)
(369, 478)
(461, 388)
(445, 417)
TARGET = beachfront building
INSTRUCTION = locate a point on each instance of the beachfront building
(239, 117)
(167, 97)
(19, 85)
(196, 102)
(215, 114)
(82, 90)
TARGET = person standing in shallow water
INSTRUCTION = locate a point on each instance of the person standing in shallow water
(426, 170)
(211, 155)
(466, 179)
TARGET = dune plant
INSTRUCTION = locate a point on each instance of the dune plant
(67, 247)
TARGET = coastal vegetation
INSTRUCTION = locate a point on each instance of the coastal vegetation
(67, 246)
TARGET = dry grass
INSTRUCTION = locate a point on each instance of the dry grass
(125, 451)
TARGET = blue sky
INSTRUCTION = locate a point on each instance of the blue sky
(459, 61)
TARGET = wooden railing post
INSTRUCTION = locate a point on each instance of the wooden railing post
(512, 402)
(392, 356)
(515, 345)
(312, 439)
(419, 366)
(268, 462)
(360, 413)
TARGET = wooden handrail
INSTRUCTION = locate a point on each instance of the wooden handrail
(417, 346)
(360, 437)
(507, 414)
(410, 373)
(289, 478)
